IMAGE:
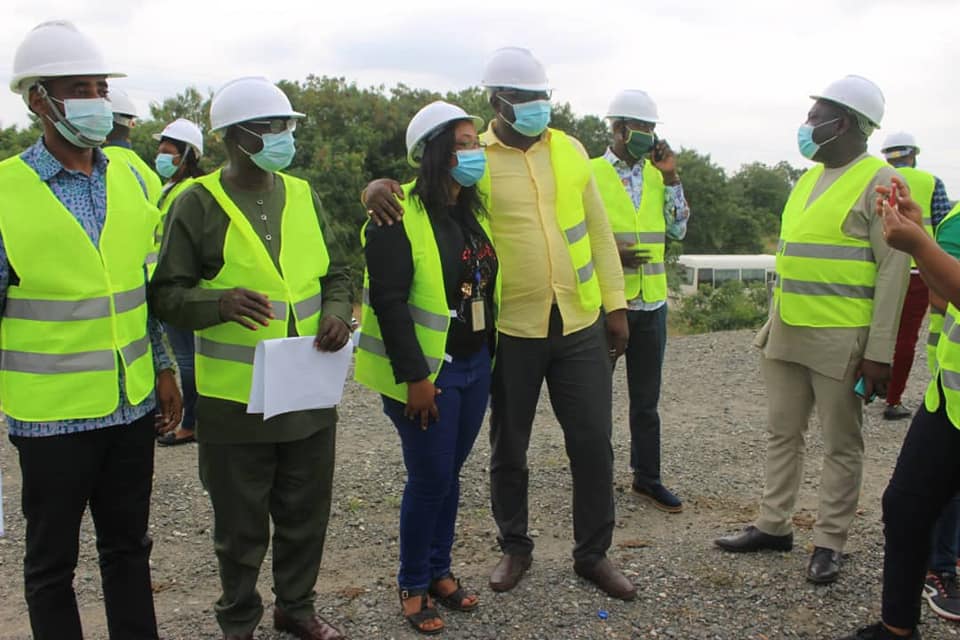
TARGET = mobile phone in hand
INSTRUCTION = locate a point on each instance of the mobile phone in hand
(861, 390)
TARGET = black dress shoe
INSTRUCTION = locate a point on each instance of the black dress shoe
(752, 539)
(824, 565)
(508, 571)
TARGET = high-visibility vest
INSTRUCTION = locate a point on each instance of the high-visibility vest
(150, 178)
(165, 202)
(427, 303)
(224, 352)
(78, 314)
(644, 228)
(936, 315)
(921, 186)
(825, 278)
(948, 368)
(571, 173)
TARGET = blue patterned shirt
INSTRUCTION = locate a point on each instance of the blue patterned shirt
(86, 198)
(676, 211)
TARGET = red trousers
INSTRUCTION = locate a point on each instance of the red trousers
(914, 308)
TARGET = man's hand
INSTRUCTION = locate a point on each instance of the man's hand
(905, 203)
(875, 377)
(245, 307)
(380, 198)
(664, 159)
(422, 402)
(630, 257)
(902, 224)
(618, 333)
(332, 335)
(169, 400)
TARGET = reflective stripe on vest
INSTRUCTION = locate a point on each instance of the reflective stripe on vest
(224, 360)
(571, 175)
(948, 364)
(643, 228)
(825, 278)
(921, 186)
(427, 303)
(90, 299)
(933, 338)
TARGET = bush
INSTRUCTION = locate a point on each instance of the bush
(730, 306)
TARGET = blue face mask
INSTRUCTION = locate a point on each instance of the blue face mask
(164, 165)
(530, 118)
(277, 152)
(85, 122)
(809, 148)
(470, 167)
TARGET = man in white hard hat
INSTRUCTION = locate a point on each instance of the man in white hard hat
(118, 147)
(901, 151)
(80, 408)
(247, 256)
(832, 324)
(560, 266)
(638, 180)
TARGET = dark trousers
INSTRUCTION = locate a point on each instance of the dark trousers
(182, 342)
(577, 370)
(644, 357)
(924, 480)
(433, 458)
(111, 470)
(945, 544)
(250, 484)
(911, 317)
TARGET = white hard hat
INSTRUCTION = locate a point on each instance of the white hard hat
(515, 68)
(248, 99)
(856, 93)
(898, 140)
(430, 120)
(124, 111)
(634, 105)
(185, 131)
(56, 49)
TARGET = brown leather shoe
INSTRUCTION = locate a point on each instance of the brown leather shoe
(313, 628)
(608, 578)
(508, 571)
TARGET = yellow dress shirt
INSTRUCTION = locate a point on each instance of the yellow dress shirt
(536, 271)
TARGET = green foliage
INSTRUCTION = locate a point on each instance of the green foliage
(730, 306)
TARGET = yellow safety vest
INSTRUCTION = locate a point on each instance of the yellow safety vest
(150, 178)
(644, 228)
(921, 186)
(571, 173)
(936, 316)
(165, 202)
(78, 313)
(825, 278)
(427, 303)
(224, 352)
(948, 373)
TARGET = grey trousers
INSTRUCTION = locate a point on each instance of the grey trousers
(577, 370)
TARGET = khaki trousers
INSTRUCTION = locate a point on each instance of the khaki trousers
(793, 392)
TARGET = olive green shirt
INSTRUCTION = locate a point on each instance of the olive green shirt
(831, 351)
(192, 250)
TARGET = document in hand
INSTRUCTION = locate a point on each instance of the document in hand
(290, 375)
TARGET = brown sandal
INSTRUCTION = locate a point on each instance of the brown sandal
(454, 599)
(424, 615)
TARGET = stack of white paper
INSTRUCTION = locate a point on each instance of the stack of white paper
(290, 375)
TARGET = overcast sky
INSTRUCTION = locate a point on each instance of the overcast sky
(731, 78)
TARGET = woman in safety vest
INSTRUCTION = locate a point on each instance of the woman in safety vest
(178, 162)
(426, 338)
(927, 475)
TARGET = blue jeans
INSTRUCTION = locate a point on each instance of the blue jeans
(182, 342)
(644, 356)
(433, 459)
(944, 545)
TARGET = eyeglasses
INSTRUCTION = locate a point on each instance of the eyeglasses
(274, 125)
(518, 96)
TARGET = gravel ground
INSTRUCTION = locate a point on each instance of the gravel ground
(713, 445)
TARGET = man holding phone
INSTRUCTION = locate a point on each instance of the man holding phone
(833, 321)
(638, 180)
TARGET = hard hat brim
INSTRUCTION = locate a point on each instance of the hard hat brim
(616, 116)
(20, 84)
(266, 116)
(478, 122)
(847, 106)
